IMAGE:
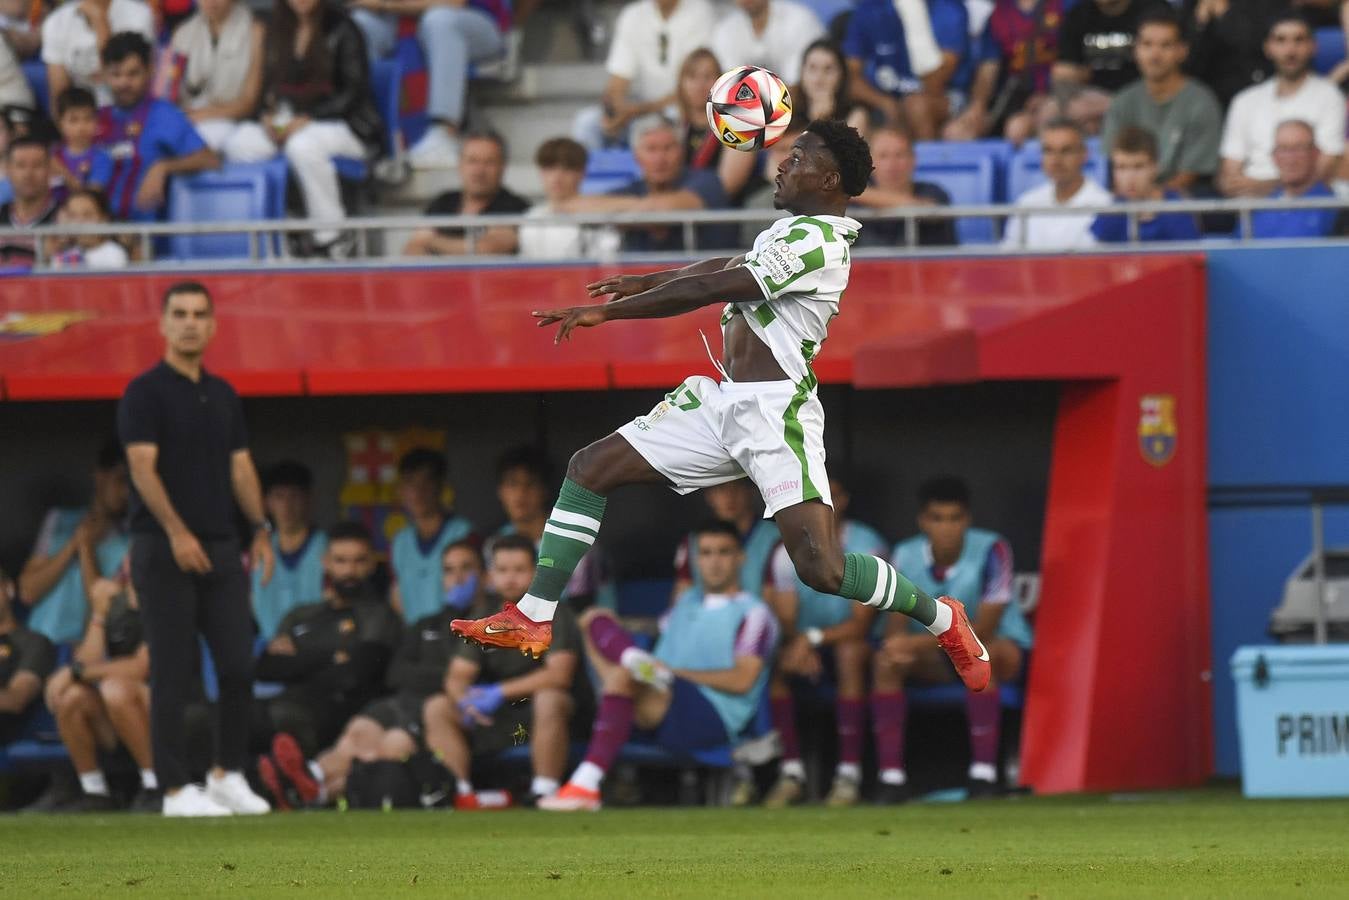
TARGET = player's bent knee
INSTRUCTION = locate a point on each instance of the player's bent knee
(117, 691)
(593, 613)
(551, 704)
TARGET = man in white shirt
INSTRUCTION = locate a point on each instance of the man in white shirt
(1294, 92)
(651, 39)
(73, 37)
(1063, 148)
(769, 33)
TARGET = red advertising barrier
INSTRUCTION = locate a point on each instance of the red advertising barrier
(1119, 694)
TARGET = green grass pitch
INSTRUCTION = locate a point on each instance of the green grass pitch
(1193, 844)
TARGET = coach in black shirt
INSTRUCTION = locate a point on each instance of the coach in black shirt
(187, 450)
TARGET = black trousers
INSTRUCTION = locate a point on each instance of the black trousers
(176, 607)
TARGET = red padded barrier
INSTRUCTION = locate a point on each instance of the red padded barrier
(1118, 697)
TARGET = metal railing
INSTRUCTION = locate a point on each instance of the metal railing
(266, 237)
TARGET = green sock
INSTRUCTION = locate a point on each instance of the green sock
(873, 581)
(571, 530)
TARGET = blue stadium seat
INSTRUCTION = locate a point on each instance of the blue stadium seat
(35, 72)
(609, 169)
(970, 183)
(1011, 695)
(1023, 172)
(6, 191)
(930, 153)
(386, 83)
(1330, 49)
(236, 192)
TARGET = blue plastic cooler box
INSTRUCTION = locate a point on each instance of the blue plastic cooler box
(1293, 719)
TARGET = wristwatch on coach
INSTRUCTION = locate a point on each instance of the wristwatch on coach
(77, 671)
(814, 637)
(265, 525)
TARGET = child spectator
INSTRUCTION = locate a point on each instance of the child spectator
(78, 162)
(1133, 160)
(562, 163)
(823, 91)
(85, 206)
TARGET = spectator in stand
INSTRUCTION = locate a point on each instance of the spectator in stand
(1096, 59)
(148, 139)
(452, 36)
(824, 91)
(1295, 92)
(75, 35)
(1299, 164)
(704, 152)
(318, 106)
(892, 185)
(78, 162)
(951, 558)
(883, 75)
(1063, 154)
(483, 706)
(666, 185)
(1026, 33)
(651, 38)
(19, 41)
(76, 547)
(562, 167)
(1227, 44)
(699, 689)
(523, 489)
(26, 659)
(417, 549)
(1133, 162)
(84, 206)
(102, 699)
(297, 546)
(769, 33)
(330, 654)
(218, 54)
(1182, 113)
(976, 79)
(480, 170)
(735, 502)
(28, 166)
(822, 634)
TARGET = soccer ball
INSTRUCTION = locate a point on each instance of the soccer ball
(748, 108)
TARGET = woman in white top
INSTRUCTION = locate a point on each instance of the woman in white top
(219, 52)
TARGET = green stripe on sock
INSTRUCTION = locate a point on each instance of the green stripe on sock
(571, 527)
(559, 555)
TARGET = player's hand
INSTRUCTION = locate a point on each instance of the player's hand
(573, 317)
(618, 286)
(188, 553)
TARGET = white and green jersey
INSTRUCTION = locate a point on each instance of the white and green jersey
(801, 264)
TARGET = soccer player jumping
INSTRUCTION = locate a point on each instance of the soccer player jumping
(763, 419)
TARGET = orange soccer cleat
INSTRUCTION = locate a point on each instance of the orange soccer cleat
(967, 654)
(510, 629)
(571, 798)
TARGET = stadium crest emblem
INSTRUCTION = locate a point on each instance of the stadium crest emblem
(1157, 428)
(18, 326)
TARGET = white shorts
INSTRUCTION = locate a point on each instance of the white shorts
(705, 433)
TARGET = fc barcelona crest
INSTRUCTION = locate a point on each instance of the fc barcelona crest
(1157, 428)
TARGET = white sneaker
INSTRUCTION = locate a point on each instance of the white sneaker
(231, 791)
(192, 802)
(647, 669)
(437, 149)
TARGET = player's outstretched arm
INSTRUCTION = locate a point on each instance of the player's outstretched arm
(619, 286)
(674, 298)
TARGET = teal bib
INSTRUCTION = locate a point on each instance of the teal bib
(418, 569)
(60, 613)
(292, 584)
